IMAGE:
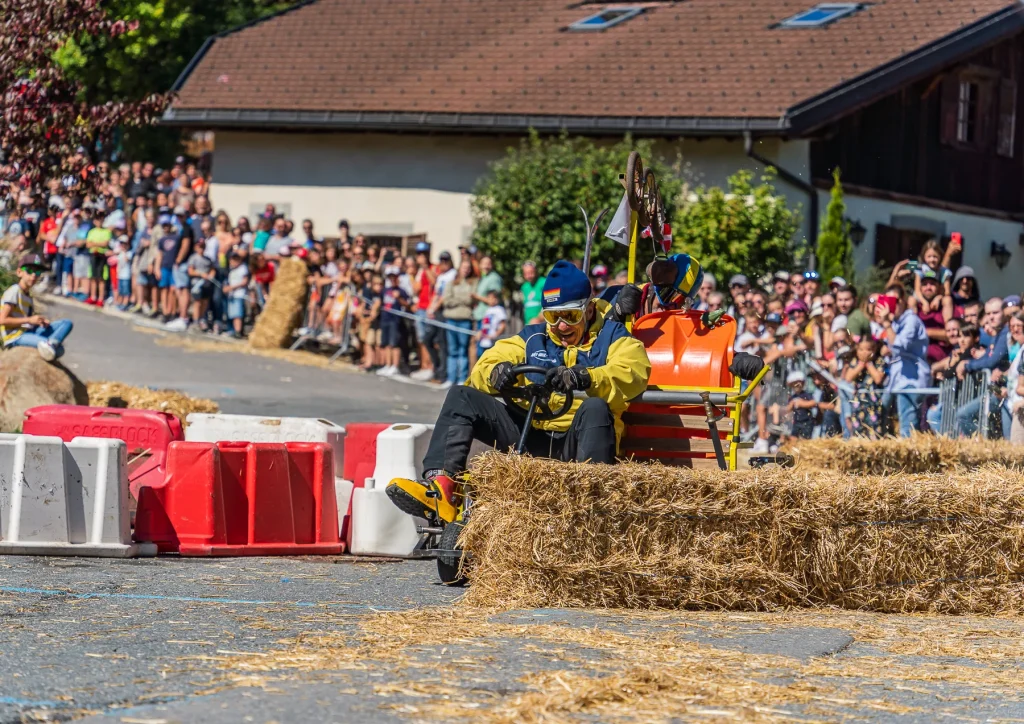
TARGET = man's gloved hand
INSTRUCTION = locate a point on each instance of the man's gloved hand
(626, 303)
(567, 379)
(502, 378)
(746, 366)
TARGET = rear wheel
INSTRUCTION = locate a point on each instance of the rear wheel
(450, 564)
(635, 181)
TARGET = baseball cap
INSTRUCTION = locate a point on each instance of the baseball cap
(445, 256)
(795, 376)
(812, 275)
(392, 270)
(56, 202)
(31, 260)
(422, 247)
(1011, 301)
(343, 223)
(796, 306)
(773, 318)
(781, 275)
(166, 220)
(599, 271)
(929, 273)
(837, 282)
(817, 309)
(739, 280)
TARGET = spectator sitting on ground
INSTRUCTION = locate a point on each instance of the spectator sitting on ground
(20, 326)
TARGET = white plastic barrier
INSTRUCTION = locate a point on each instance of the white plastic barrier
(70, 499)
(203, 427)
(378, 527)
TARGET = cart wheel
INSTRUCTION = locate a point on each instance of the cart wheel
(449, 565)
(635, 182)
(653, 210)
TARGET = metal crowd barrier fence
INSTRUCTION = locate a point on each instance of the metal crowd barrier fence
(956, 394)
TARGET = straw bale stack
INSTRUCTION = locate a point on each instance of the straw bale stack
(115, 394)
(285, 305)
(544, 533)
(919, 454)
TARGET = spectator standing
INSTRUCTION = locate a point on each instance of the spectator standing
(236, 290)
(532, 286)
(371, 311)
(168, 247)
(802, 406)
(907, 340)
(489, 281)
(493, 324)
(866, 406)
(423, 289)
(394, 299)
(437, 339)
(855, 320)
(994, 358)
(965, 289)
(458, 302)
(201, 274)
(932, 315)
(739, 287)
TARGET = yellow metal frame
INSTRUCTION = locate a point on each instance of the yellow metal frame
(733, 395)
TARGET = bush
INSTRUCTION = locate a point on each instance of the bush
(746, 229)
(526, 207)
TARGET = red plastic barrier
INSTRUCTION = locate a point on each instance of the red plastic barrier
(360, 459)
(146, 432)
(243, 499)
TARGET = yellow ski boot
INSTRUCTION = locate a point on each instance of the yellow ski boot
(438, 496)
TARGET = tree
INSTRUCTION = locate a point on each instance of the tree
(150, 56)
(835, 250)
(747, 229)
(45, 113)
(526, 207)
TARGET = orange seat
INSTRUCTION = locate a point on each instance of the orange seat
(684, 355)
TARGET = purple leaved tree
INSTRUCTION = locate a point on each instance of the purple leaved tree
(44, 115)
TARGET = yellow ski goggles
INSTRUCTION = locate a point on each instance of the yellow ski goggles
(572, 317)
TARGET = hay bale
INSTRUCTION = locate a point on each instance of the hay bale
(921, 454)
(285, 306)
(116, 394)
(550, 534)
(27, 381)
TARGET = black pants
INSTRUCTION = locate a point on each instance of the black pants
(437, 347)
(468, 414)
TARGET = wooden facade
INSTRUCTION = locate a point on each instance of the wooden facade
(956, 137)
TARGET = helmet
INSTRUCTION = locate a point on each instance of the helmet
(679, 274)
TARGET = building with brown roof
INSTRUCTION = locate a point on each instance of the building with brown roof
(387, 113)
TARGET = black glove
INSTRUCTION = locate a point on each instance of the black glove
(567, 379)
(502, 378)
(626, 303)
(746, 366)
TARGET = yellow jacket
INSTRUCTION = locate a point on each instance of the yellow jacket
(618, 365)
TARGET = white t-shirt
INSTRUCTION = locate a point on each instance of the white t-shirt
(443, 280)
(238, 276)
(490, 324)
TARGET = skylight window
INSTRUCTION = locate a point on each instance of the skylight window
(605, 19)
(822, 14)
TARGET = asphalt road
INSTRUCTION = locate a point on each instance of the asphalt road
(339, 639)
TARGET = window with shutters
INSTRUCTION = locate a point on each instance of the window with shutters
(967, 112)
(969, 106)
(1007, 133)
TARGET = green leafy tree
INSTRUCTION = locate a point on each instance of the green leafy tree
(147, 59)
(835, 250)
(526, 207)
(744, 229)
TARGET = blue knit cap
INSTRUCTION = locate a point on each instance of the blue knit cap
(566, 287)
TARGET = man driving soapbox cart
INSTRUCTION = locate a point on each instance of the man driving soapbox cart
(580, 387)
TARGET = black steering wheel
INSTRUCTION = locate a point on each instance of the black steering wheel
(539, 393)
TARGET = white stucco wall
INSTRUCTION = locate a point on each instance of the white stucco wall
(404, 184)
(978, 233)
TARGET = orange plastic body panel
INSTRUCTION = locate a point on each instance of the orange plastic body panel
(684, 352)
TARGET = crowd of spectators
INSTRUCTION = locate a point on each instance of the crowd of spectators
(147, 240)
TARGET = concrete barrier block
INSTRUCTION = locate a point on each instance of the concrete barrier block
(65, 499)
